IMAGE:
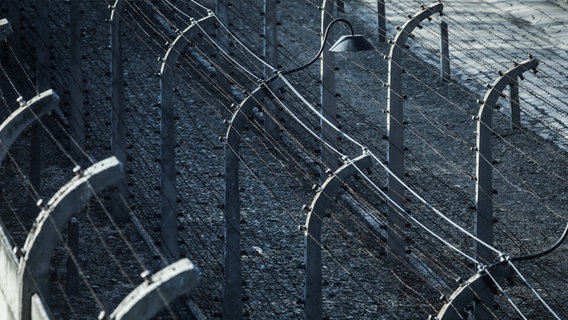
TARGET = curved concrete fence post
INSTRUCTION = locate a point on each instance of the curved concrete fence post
(5, 29)
(157, 291)
(484, 167)
(26, 115)
(395, 126)
(33, 270)
(461, 303)
(118, 127)
(483, 220)
(168, 192)
(232, 278)
(313, 308)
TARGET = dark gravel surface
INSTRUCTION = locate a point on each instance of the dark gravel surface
(277, 177)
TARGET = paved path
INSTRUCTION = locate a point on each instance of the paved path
(488, 36)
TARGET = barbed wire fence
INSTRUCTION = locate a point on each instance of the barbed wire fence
(182, 197)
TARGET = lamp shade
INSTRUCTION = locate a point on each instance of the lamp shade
(355, 42)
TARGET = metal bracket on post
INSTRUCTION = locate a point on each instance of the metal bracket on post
(484, 168)
(40, 243)
(395, 127)
(168, 193)
(232, 282)
(5, 29)
(313, 308)
(461, 303)
(157, 291)
(28, 113)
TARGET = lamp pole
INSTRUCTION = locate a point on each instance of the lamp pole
(328, 125)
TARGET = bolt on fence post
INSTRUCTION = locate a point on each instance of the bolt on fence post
(73, 245)
(444, 53)
(515, 104)
(382, 20)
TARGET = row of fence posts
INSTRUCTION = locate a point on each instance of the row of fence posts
(313, 310)
(232, 298)
(29, 266)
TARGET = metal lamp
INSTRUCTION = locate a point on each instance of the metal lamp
(352, 42)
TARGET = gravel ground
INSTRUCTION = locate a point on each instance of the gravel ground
(277, 178)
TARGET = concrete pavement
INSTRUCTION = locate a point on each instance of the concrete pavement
(489, 36)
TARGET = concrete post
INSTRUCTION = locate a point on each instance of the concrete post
(118, 126)
(313, 308)
(395, 128)
(158, 291)
(76, 99)
(73, 245)
(444, 53)
(33, 270)
(515, 104)
(382, 20)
